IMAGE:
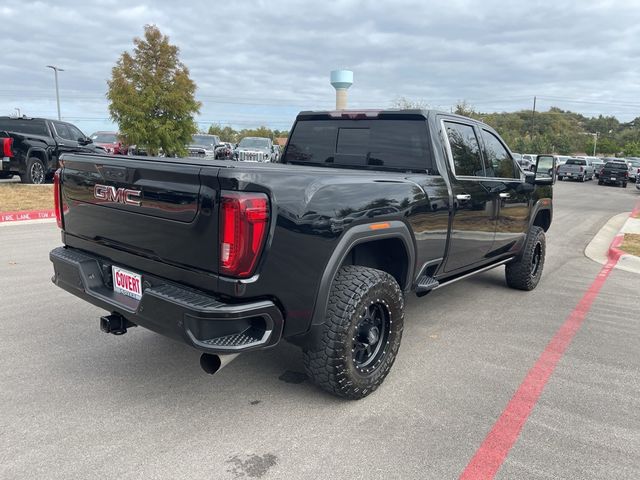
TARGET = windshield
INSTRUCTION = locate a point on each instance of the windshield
(104, 138)
(576, 162)
(203, 140)
(634, 163)
(254, 143)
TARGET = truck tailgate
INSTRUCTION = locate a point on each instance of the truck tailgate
(161, 209)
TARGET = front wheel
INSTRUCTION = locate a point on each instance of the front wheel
(524, 273)
(359, 340)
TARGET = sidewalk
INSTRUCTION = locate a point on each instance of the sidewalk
(606, 244)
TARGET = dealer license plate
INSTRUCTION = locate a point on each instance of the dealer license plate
(127, 283)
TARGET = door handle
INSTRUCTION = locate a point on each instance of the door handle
(463, 196)
(505, 195)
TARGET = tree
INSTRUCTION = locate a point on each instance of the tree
(404, 103)
(465, 108)
(152, 96)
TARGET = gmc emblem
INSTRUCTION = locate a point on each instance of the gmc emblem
(125, 196)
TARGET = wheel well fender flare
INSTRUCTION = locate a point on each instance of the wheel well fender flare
(37, 152)
(355, 236)
(542, 205)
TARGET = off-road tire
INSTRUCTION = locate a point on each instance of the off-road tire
(331, 362)
(35, 172)
(524, 273)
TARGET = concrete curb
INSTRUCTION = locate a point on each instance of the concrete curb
(626, 261)
(27, 215)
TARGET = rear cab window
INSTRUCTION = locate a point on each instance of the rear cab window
(392, 144)
(24, 126)
(576, 162)
(616, 166)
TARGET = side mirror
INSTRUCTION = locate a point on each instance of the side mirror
(544, 171)
(84, 141)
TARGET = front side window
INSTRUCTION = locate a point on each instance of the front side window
(464, 149)
(75, 132)
(499, 162)
(63, 130)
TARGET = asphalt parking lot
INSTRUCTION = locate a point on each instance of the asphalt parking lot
(78, 403)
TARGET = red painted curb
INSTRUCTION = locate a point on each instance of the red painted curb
(614, 252)
(26, 215)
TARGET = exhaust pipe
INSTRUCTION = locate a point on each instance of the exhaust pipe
(212, 363)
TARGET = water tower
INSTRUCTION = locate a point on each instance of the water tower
(341, 81)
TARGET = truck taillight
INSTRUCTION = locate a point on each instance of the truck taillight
(601, 171)
(582, 169)
(57, 204)
(244, 218)
(7, 147)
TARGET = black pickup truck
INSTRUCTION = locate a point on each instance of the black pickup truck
(32, 146)
(614, 172)
(318, 249)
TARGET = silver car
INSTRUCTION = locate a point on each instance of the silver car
(580, 169)
(634, 168)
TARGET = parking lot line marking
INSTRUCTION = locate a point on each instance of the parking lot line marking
(496, 446)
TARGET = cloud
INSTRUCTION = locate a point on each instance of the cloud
(261, 62)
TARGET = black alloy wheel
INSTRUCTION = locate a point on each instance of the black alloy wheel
(371, 336)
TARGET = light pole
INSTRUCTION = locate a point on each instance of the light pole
(55, 71)
(595, 142)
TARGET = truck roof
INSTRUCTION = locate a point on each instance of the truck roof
(378, 113)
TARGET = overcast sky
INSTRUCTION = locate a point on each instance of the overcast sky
(259, 63)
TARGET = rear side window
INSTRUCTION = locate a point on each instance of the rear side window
(379, 144)
(465, 149)
(499, 162)
(29, 127)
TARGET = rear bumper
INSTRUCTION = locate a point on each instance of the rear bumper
(173, 310)
(607, 179)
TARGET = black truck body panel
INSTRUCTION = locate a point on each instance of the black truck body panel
(321, 218)
(37, 137)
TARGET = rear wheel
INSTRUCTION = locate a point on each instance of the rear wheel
(624, 184)
(35, 173)
(581, 178)
(600, 182)
(359, 341)
(560, 177)
(525, 272)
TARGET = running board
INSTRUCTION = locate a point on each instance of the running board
(470, 274)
